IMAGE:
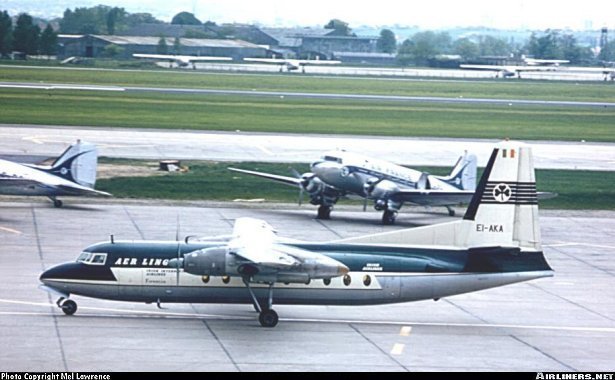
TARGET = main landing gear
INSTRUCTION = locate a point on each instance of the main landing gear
(68, 306)
(267, 317)
(56, 202)
(451, 212)
(324, 212)
(388, 217)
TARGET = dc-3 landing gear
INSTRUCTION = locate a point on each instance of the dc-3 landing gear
(388, 217)
(324, 212)
(451, 212)
(267, 317)
(56, 202)
(68, 306)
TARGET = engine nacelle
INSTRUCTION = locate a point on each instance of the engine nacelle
(383, 189)
(207, 262)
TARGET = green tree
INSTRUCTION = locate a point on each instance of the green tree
(341, 28)
(113, 51)
(132, 19)
(26, 35)
(177, 46)
(426, 45)
(465, 48)
(489, 45)
(162, 47)
(608, 52)
(113, 16)
(545, 46)
(85, 20)
(387, 43)
(185, 18)
(6, 33)
(405, 53)
(49, 41)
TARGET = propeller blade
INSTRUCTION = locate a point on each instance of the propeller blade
(294, 172)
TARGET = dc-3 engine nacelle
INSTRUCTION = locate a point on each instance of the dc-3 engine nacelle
(382, 189)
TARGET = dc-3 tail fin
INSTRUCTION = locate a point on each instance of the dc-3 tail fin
(78, 164)
(463, 175)
(503, 211)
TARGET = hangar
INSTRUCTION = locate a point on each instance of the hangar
(95, 46)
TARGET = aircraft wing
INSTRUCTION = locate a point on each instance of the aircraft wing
(433, 197)
(187, 58)
(266, 60)
(508, 68)
(281, 61)
(254, 240)
(82, 190)
(274, 177)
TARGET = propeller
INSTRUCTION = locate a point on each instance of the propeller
(296, 174)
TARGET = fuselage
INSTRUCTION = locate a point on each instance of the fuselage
(350, 172)
(17, 179)
(140, 272)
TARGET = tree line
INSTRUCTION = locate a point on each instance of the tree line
(26, 36)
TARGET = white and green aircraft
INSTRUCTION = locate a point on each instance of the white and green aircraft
(71, 174)
(496, 243)
(339, 174)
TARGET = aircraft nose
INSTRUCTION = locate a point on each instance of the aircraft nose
(61, 271)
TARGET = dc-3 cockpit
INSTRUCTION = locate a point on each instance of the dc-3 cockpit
(92, 258)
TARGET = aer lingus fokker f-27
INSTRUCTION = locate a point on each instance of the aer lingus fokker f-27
(496, 243)
(71, 174)
(388, 185)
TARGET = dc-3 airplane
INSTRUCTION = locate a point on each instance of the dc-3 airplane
(341, 173)
(292, 64)
(71, 174)
(496, 243)
(182, 60)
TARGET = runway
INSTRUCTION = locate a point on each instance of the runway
(309, 95)
(240, 146)
(564, 323)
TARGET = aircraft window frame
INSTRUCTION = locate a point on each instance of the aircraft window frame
(84, 257)
(332, 159)
(96, 255)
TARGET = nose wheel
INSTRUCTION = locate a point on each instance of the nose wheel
(69, 307)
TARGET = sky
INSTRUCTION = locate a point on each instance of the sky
(432, 14)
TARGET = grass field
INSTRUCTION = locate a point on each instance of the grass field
(502, 89)
(299, 115)
(212, 181)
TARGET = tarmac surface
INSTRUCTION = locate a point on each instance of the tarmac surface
(564, 323)
(34, 140)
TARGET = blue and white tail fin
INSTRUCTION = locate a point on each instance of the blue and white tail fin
(463, 175)
(78, 164)
(503, 211)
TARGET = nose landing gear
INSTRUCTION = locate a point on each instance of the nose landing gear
(68, 306)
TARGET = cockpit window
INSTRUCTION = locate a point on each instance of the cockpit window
(99, 259)
(92, 258)
(333, 159)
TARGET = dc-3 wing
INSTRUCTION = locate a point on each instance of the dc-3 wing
(433, 197)
(278, 178)
(186, 58)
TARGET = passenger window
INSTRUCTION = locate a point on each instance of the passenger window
(99, 259)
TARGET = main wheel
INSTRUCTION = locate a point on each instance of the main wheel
(69, 307)
(324, 212)
(388, 217)
(57, 203)
(268, 318)
(451, 212)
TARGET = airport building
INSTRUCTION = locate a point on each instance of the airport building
(94, 46)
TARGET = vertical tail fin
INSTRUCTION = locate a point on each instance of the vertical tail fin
(504, 208)
(503, 211)
(463, 175)
(78, 164)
